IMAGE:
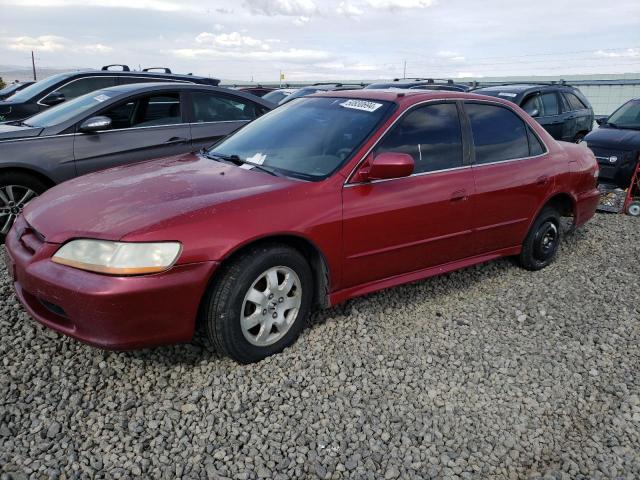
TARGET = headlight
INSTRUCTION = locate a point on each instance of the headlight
(118, 258)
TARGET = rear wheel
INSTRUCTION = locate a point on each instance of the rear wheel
(542, 242)
(259, 304)
(579, 138)
(633, 209)
(16, 190)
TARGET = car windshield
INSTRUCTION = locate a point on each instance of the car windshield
(627, 116)
(64, 111)
(276, 96)
(308, 138)
(299, 93)
(37, 88)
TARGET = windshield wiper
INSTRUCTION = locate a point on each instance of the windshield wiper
(612, 125)
(236, 160)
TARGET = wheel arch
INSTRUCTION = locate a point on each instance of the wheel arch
(315, 257)
(29, 171)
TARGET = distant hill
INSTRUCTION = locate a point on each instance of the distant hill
(9, 73)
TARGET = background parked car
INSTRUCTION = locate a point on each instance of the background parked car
(12, 88)
(421, 84)
(616, 144)
(562, 110)
(279, 95)
(258, 91)
(321, 87)
(65, 86)
(113, 126)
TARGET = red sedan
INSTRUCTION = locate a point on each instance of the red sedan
(324, 199)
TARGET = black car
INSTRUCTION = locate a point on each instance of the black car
(562, 110)
(12, 88)
(65, 86)
(110, 127)
(320, 87)
(616, 144)
(421, 84)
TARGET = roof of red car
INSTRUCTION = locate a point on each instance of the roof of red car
(405, 97)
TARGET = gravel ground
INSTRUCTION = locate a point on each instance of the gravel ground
(491, 372)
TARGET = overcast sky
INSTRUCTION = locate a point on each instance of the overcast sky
(313, 39)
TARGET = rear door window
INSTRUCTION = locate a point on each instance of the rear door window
(574, 102)
(550, 103)
(533, 105)
(431, 135)
(75, 88)
(498, 133)
(146, 111)
(213, 107)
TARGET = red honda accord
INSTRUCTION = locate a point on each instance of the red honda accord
(324, 199)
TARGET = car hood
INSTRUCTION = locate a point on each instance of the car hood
(616, 138)
(9, 131)
(142, 197)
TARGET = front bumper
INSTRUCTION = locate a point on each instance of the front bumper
(115, 313)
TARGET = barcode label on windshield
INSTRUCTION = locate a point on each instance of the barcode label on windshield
(510, 95)
(361, 105)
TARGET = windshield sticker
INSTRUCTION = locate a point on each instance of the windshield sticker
(363, 105)
(257, 159)
(101, 98)
(506, 94)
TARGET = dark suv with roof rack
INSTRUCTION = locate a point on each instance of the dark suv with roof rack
(561, 109)
(422, 84)
(65, 86)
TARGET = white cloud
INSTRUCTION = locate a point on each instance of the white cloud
(295, 55)
(158, 5)
(290, 8)
(43, 43)
(400, 4)
(349, 9)
(628, 53)
(53, 43)
(301, 20)
(231, 40)
(450, 56)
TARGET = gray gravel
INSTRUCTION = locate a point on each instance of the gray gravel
(491, 372)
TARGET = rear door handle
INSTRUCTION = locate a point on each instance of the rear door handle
(542, 180)
(176, 141)
(459, 195)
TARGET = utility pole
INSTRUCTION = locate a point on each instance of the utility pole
(33, 66)
(404, 70)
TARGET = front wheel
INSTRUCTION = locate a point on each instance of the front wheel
(259, 304)
(541, 244)
(16, 190)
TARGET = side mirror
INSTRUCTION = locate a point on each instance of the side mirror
(54, 98)
(535, 113)
(387, 165)
(95, 124)
(601, 120)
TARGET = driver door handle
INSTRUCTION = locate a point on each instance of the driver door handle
(176, 141)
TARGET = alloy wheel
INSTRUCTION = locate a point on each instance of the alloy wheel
(271, 306)
(13, 198)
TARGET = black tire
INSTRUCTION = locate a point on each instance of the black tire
(22, 182)
(541, 243)
(579, 137)
(225, 300)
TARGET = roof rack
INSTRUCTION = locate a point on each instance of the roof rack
(428, 80)
(164, 69)
(125, 68)
(552, 82)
